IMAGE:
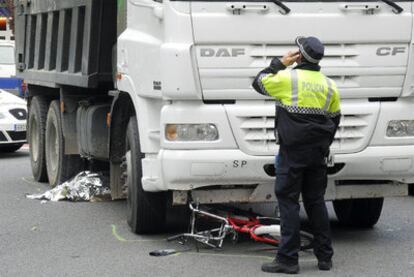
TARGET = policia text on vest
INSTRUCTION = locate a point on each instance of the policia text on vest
(307, 117)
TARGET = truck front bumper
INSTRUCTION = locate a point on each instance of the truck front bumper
(183, 170)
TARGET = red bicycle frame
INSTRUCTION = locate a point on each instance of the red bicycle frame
(248, 226)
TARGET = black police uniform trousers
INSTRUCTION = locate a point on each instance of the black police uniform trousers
(302, 171)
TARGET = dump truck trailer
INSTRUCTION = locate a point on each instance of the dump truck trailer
(159, 94)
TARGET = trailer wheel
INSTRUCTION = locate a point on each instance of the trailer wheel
(36, 137)
(360, 213)
(60, 167)
(146, 210)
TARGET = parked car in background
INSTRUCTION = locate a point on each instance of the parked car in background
(8, 80)
(13, 114)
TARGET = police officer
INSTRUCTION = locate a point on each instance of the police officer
(308, 115)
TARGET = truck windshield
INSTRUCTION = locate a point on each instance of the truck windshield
(6, 55)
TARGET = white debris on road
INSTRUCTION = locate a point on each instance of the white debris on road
(83, 187)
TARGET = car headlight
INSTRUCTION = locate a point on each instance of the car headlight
(2, 116)
(400, 128)
(191, 132)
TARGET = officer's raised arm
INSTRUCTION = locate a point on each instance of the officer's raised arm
(275, 66)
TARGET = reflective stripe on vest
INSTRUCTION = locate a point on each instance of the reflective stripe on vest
(330, 93)
(295, 90)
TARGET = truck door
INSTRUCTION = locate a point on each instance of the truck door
(366, 43)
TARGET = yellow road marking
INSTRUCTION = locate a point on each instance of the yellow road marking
(30, 182)
(122, 239)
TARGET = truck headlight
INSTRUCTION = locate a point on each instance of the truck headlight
(400, 128)
(191, 132)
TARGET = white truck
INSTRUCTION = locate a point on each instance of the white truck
(159, 94)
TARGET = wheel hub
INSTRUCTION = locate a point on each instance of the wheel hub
(53, 148)
(34, 139)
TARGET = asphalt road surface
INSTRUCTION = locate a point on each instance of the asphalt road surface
(93, 239)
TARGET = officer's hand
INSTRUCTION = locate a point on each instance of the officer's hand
(290, 58)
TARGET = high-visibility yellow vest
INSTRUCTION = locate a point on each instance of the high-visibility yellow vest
(303, 91)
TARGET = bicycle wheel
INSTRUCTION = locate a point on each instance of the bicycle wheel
(270, 234)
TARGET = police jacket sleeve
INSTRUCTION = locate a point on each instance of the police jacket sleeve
(274, 67)
(336, 120)
(335, 112)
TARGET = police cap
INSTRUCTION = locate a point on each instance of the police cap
(311, 48)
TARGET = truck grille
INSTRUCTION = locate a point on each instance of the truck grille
(255, 132)
(335, 54)
(351, 133)
(357, 74)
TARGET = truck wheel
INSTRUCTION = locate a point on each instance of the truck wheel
(10, 148)
(360, 213)
(60, 167)
(36, 137)
(146, 210)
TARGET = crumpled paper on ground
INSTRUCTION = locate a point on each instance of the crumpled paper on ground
(83, 187)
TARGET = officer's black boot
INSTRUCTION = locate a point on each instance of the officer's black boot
(276, 267)
(325, 265)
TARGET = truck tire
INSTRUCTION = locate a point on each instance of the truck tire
(360, 213)
(10, 148)
(36, 137)
(146, 211)
(60, 167)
